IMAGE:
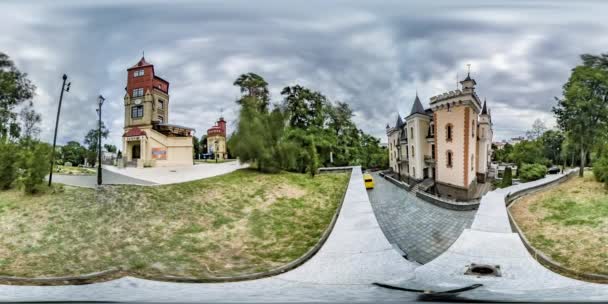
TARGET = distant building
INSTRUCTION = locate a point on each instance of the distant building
(149, 139)
(216, 139)
(448, 143)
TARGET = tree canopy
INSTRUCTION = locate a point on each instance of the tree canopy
(306, 130)
(583, 110)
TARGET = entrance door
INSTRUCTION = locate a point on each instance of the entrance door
(136, 152)
(425, 172)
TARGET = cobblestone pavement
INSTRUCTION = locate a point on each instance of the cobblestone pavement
(421, 230)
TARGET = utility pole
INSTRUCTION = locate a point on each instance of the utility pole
(63, 89)
(99, 179)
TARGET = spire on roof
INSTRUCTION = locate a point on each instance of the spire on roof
(484, 111)
(399, 121)
(417, 107)
(142, 62)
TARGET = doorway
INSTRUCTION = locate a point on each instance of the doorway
(136, 152)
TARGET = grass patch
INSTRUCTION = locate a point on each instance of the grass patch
(60, 169)
(239, 223)
(568, 222)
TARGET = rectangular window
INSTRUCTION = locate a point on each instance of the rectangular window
(137, 111)
(138, 92)
(161, 104)
(433, 151)
(138, 73)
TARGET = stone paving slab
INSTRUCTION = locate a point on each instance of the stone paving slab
(355, 255)
(488, 242)
(422, 230)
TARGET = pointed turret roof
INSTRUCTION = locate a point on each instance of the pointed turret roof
(417, 107)
(141, 63)
(399, 121)
(469, 79)
(484, 110)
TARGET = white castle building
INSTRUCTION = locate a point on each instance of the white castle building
(449, 143)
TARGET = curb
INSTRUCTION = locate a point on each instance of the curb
(539, 256)
(66, 280)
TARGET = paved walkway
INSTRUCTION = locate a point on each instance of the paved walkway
(172, 175)
(355, 255)
(90, 181)
(421, 230)
(491, 241)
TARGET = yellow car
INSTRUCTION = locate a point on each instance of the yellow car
(369, 181)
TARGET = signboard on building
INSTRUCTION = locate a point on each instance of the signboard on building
(159, 153)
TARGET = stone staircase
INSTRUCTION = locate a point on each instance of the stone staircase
(424, 185)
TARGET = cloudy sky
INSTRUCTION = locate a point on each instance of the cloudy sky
(373, 55)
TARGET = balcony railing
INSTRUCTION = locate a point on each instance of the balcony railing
(429, 159)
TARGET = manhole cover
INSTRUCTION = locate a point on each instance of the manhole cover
(483, 270)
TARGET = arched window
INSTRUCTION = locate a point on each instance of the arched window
(448, 132)
(413, 154)
(473, 128)
(411, 132)
(450, 155)
(472, 163)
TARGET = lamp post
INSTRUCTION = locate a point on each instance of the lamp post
(100, 101)
(63, 89)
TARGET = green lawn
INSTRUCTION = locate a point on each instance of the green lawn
(569, 223)
(234, 224)
(59, 169)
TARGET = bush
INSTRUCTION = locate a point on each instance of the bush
(34, 164)
(507, 179)
(531, 172)
(600, 170)
(8, 164)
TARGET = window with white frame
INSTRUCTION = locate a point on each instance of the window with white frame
(138, 73)
(138, 92)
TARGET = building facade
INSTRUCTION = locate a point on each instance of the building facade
(149, 140)
(449, 143)
(216, 139)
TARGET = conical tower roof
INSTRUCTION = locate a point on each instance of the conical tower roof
(417, 107)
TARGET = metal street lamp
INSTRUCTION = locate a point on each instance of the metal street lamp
(100, 101)
(63, 89)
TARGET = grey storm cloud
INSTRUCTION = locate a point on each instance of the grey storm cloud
(374, 55)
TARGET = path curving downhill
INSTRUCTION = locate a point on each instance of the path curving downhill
(355, 255)
(423, 231)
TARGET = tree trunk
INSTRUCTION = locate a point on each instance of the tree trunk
(583, 156)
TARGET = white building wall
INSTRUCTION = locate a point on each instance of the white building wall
(485, 145)
(393, 141)
(417, 142)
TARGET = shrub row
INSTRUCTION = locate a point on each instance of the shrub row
(531, 172)
(24, 164)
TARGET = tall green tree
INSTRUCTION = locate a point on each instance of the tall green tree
(30, 120)
(73, 153)
(15, 88)
(91, 140)
(583, 110)
(254, 90)
(552, 144)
